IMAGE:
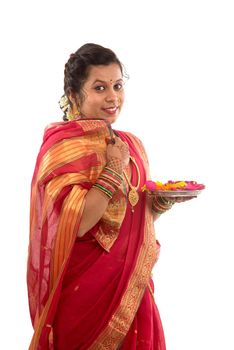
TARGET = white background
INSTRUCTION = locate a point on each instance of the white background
(179, 55)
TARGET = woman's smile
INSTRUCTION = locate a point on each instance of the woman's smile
(110, 110)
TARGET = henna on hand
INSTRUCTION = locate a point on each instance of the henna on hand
(116, 164)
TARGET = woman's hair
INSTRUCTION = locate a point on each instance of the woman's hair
(77, 67)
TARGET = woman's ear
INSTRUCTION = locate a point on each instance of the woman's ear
(73, 97)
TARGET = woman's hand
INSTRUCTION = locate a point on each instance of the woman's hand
(179, 199)
(117, 155)
(173, 200)
(160, 204)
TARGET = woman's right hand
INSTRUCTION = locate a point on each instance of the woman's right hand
(117, 155)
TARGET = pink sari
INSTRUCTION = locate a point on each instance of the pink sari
(93, 292)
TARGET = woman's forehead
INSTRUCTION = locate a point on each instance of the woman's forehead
(109, 73)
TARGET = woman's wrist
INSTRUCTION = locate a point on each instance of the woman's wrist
(161, 204)
(108, 182)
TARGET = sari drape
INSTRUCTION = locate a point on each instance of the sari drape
(93, 292)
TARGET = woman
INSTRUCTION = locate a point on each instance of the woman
(92, 244)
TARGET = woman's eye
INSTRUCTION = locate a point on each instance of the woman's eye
(100, 88)
(118, 86)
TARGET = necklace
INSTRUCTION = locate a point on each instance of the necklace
(133, 195)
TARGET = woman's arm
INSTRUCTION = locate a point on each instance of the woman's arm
(96, 201)
(155, 215)
(95, 205)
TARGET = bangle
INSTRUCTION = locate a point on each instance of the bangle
(160, 205)
(108, 182)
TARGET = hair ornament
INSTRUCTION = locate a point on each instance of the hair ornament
(64, 103)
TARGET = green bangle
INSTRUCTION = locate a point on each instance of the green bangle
(166, 202)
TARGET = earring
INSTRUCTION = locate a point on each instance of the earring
(73, 112)
(70, 116)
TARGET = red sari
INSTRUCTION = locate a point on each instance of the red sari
(93, 292)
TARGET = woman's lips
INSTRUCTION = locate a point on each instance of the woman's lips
(111, 110)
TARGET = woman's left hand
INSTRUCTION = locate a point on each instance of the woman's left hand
(173, 200)
(179, 199)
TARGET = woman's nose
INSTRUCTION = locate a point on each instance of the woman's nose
(112, 95)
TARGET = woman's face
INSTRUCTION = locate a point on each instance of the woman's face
(103, 93)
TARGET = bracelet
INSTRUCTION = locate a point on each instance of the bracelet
(160, 205)
(165, 201)
(108, 182)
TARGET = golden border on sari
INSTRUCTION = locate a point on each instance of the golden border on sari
(120, 322)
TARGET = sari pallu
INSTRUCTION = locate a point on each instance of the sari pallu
(108, 284)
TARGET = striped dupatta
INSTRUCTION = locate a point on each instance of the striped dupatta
(70, 160)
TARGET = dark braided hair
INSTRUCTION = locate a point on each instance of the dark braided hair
(77, 67)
